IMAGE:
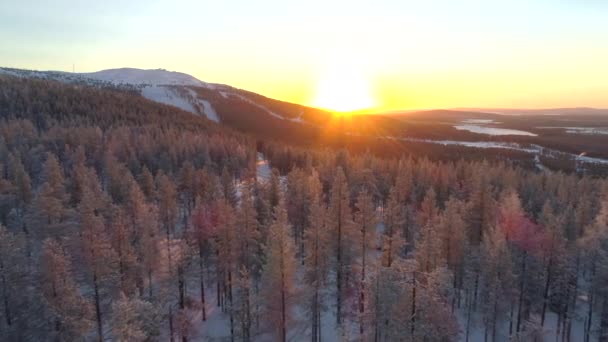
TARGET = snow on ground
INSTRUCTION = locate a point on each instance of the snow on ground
(209, 111)
(492, 130)
(189, 102)
(548, 332)
(267, 110)
(270, 112)
(168, 96)
(263, 170)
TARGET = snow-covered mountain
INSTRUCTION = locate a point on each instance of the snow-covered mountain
(177, 89)
(141, 76)
(159, 85)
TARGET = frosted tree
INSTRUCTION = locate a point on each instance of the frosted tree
(298, 206)
(498, 279)
(22, 182)
(341, 226)
(226, 258)
(392, 238)
(16, 312)
(227, 185)
(595, 250)
(525, 240)
(148, 252)
(146, 181)
(121, 237)
(50, 203)
(248, 262)
(279, 275)
(554, 251)
(452, 234)
(433, 317)
(72, 313)
(186, 189)
(203, 230)
(316, 266)
(99, 255)
(134, 320)
(366, 221)
(167, 212)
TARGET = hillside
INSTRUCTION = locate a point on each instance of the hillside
(570, 142)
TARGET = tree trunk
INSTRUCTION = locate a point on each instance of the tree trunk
(283, 309)
(7, 309)
(469, 304)
(413, 319)
(231, 306)
(362, 291)
(521, 292)
(97, 308)
(180, 286)
(202, 277)
(171, 338)
(603, 333)
(150, 283)
(339, 273)
(546, 291)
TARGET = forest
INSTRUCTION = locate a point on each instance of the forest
(127, 220)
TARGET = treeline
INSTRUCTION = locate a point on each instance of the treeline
(137, 228)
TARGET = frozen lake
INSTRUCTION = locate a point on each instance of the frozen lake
(492, 130)
(581, 130)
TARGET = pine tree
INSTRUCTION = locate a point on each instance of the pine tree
(99, 255)
(21, 179)
(121, 238)
(279, 274)
(226, 256)
(595, 250)
(11, 278)
(167, 212)
(498, 278)
(366, 221)
(186, 188)
(452, 234)
(203, 229)
(341, 226)
(392, 239)
(50, 209)
(316, 267)
(134, 320)
(248, 241)
(73, 314)
(146, 181)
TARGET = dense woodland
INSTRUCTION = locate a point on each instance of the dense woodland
(127, 220)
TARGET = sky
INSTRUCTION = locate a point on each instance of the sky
(388, 55)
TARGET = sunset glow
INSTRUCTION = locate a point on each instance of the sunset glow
(343, 89)
(418, 54)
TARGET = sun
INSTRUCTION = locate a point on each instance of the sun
(343, 88)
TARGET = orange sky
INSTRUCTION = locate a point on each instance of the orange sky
(393, 54)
